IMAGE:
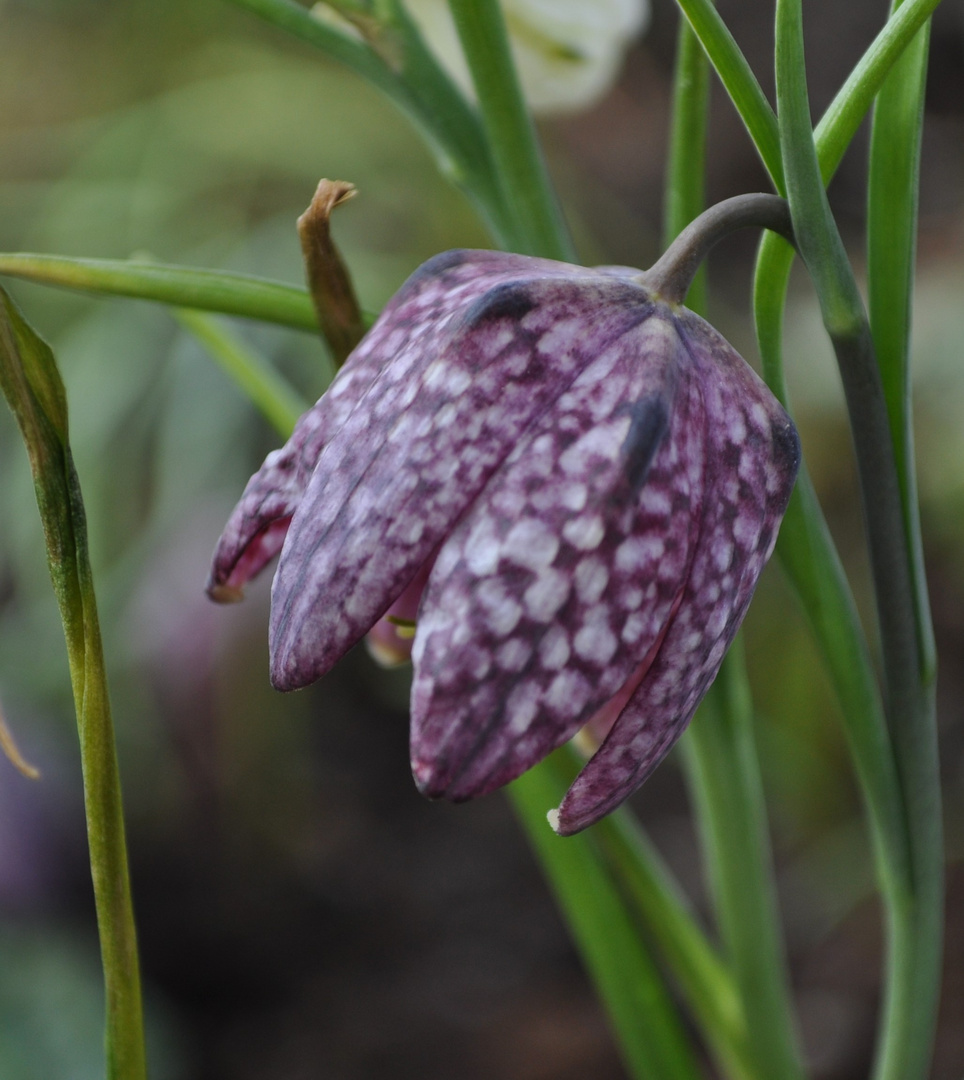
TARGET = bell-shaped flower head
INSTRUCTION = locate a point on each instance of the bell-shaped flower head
(571, 484)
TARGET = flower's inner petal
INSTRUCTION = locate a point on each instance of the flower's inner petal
(414, 319)
(260, 549)
(389, 641)
(599, 725)
(753, 456)
(420, 446)
(557, 584)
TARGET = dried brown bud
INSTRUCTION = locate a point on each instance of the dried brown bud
(331, 289)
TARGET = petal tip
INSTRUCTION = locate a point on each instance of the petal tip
(553, 818)
(286, 671)
(429, 780)
(221, 593)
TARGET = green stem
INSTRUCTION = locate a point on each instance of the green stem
(739, 81)
(909, 687)
(257, 380)
(644, 1017)
(538, 227)
(808, 555)
(396, 61)
(906, 1042)
(822, 249)
(31, 382)
(728, 795)
(720, 756)
(183, 286)
(705, 981)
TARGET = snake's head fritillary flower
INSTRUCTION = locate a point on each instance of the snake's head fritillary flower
(566, 486)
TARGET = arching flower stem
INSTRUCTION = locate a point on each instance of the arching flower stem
(671, 276)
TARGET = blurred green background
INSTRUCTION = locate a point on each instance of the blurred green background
(303, 913)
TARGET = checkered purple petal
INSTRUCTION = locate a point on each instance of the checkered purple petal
(418, 317)
(422, 443)
(752, 457)
(558, 582)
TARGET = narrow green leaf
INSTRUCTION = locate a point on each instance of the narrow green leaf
(846, 112)
(706, 983)
(32, 386)
(183, 286)
(645, 1019)
(387, 51)
(891, 250)
(905, 1047)
(841, 120)
(280, 403)
(538, 226)
(739, 81)
(727, 790)
(685, 197)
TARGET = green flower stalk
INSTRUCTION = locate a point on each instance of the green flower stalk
(34, 391)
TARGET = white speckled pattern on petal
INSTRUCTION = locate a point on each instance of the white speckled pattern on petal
(632, 422)
(421, 443)
(587, 480)
(752, 454)
(413, 322)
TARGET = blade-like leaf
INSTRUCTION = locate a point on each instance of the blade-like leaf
(741, 84)
(32, 386)
(183, 286)
(280, 403)
(650, 1033)
(892, 248)
(722, 768)
(387, 51)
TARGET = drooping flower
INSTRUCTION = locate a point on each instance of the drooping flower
(567, 52)
(581, 481)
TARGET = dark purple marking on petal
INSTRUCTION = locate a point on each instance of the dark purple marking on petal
(417, 317)
(507, 301)
(422, 444)
(555, 585)
(649, 419)
(753, 457)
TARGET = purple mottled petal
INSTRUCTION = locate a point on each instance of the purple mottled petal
(421, 445)
(753, 456)
(417, 317)
(558, 582)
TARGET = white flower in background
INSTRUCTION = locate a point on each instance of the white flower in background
(567, 52)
